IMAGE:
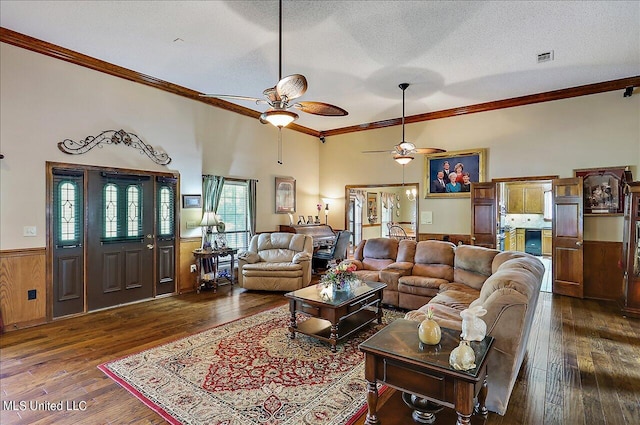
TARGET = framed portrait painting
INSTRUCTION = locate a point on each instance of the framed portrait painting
(285, 195)
(603, 189)
(450, 174)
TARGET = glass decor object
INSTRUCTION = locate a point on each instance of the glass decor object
(429, 331)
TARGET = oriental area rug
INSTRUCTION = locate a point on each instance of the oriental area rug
(249, 372)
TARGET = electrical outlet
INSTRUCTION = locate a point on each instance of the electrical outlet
(193, 268)
(31, 294)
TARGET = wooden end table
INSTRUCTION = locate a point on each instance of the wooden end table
(201, 255)
(396, 357)
(335, 316)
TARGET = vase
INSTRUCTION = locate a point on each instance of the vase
(463, 357)
(429, 332)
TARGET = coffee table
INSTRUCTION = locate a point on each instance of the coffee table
(396, 357)
(335, 315)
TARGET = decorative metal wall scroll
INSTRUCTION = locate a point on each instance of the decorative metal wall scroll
(113, 137)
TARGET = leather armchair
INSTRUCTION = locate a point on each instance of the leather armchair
(276, 262)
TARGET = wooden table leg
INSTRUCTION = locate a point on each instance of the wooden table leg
(380, 307)
(372, 404)
(481, 408)
(464, 402)
(292, 320)
(334, 337)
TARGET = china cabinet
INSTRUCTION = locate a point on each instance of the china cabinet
(630, 301)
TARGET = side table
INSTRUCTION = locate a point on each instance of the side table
(213, 257)
(396, 357)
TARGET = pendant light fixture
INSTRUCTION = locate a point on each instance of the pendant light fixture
(403, 158)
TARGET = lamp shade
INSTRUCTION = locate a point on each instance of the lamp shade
(279, 118)
(209, 218)
(403, 159)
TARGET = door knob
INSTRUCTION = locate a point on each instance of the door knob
(579, 243)
(150, 246)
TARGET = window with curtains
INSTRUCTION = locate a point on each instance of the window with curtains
(233, 209)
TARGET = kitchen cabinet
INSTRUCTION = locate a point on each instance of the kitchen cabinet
(510, 240)
(546, 242)
(630, 301)
(520, 239)
(526, 198)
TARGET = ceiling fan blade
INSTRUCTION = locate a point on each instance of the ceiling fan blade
(292, 86)
(429, 150)
(387, 151)
(271, 95)
(320, 108)
(231, 96)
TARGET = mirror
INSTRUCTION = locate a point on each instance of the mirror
(369, 209)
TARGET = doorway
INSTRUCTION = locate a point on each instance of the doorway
(113, 236)
(525, 220)
(370, 209)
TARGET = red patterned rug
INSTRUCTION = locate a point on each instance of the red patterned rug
(250, 372)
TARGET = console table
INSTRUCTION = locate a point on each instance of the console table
(213, 256)
(396, 357)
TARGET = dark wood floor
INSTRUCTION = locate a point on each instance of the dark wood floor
(582, 366)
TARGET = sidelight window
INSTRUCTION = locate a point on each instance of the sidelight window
(67, 210)
(166, 203)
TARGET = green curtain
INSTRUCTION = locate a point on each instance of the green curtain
(252, 184)
(211, 192)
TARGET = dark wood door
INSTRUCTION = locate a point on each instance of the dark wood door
(484, 212)
(567, 228)
(120, 239)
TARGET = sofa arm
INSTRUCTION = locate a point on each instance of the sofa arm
(403, 268)
(249, 257)
(358, 263)
(300, 257)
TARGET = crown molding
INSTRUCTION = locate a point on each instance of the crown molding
(39, 46)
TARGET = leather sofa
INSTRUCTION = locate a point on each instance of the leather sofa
(451, 278)
(276, 262)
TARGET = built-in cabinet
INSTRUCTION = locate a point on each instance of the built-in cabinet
(526, 198)
(510, 240)
(520, 239)
(630, 301)
(546, 241)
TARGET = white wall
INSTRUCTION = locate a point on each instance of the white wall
(551, 138)
(44, 101)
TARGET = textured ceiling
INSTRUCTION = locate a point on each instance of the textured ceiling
(353, 53)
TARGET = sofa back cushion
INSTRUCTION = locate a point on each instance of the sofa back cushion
(434, 259)
(406, 251)
(278, 247)
(473, 265)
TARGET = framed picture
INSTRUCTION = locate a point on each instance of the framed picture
(191, 201)
(603, 189)
(285, 195)
(450, 174)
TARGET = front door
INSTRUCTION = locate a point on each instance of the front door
(567, 229)
(484, 206)
(120, 239)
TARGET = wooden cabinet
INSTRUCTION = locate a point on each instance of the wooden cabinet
(510, 240)
(520, 239)
(546, 241)
(630, 301)
(525, 198)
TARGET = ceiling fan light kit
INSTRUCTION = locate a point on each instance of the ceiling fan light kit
(279, 118)
(403, 159)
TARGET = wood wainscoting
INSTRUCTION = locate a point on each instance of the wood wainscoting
(22, 271)
(603, 275)
(465, 239)
(186, 279)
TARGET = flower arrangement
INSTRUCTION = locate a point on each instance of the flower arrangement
(341, 276)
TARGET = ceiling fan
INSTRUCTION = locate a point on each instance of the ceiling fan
(403, 152)
(280, 97)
